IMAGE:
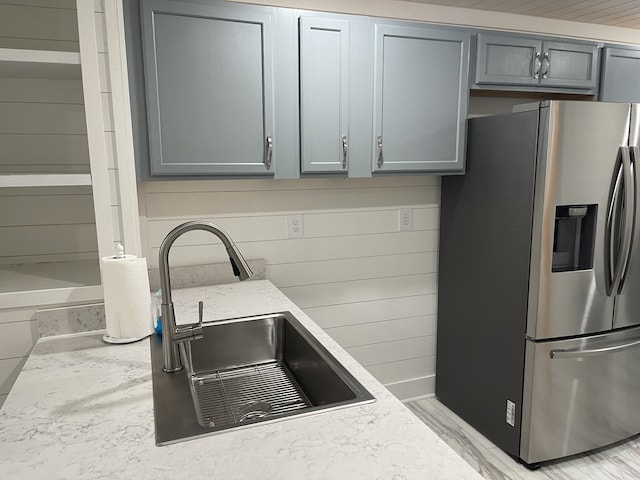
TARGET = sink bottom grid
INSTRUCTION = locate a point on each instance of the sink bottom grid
(233, 396)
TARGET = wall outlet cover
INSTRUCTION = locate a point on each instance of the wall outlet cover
(406, 219)
(295, 226)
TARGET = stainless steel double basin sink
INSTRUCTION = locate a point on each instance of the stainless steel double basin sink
(246, 371)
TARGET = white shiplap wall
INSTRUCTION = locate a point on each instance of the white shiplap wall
(42, 130)
(369, 285)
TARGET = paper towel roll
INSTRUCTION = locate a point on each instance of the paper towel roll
(127, 297)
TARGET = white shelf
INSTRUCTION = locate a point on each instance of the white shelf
(15, 62)
(45, 180)
(50, 283)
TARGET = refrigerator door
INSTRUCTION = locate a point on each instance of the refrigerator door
(580, 394)
(578, 168)
(627, 308)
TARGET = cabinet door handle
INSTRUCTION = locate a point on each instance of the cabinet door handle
(537, 64)
(380, 157)
(345, 150)
(545, 65)
(268, 152)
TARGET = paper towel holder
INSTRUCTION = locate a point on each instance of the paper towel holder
(120, 255)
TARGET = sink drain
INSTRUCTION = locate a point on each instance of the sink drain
(253, 410)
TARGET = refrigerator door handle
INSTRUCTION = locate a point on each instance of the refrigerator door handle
(611, 237)
(629, 215)
(590, 352)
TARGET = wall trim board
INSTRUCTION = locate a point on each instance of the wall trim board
(95, 125)
(124, 154)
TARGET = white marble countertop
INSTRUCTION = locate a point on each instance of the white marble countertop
(84, 409)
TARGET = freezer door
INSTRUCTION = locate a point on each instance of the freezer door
(577, 169)
(580, 394)
(627, 308)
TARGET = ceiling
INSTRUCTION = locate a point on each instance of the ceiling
(618, 13)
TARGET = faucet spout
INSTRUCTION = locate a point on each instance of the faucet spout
(171, 335)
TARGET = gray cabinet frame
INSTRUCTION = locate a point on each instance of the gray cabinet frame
(620, 80)
(578, 59)
(324, 94)
(428, 133)
(235, 162)
(497, 54)
(529, 62)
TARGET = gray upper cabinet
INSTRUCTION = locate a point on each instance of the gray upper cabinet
(620, 76)
(530, 62)
(567, 64)
(507, 60)
(420, 98)
(209, 88)
(324, 94)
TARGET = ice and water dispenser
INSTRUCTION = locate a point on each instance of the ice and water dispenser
(574, 237)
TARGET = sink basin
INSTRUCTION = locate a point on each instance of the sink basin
(244, 372)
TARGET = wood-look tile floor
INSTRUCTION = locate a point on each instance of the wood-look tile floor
(617, 462)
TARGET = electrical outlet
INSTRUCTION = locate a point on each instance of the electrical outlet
(295, 227)
(406, 219)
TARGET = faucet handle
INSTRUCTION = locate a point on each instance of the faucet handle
(197, 330)
(193, 331)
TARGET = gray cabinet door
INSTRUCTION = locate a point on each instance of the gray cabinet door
(523, 61)
(503, 60)
(420, 98)
(324, 94)
(209, 78)
(569, 65)
(620, 76)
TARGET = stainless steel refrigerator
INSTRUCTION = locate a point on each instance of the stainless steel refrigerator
(538, 342)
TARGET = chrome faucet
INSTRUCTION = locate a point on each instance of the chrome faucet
(171, 334)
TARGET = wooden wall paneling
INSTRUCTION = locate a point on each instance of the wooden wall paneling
(403, 370)
(241, 229)
(17, 315)
(18, 338)
(47, 239)
(341, 270)
(307, 249)
(27, 260)
(189, 205)
(42, 118)
(38, 90)
(9, 370)
(306, 184)
(46, 210)
(346, 314)
(44, 153)
(394, 351)
(38, 22)
(384, 331)
(361, 290)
